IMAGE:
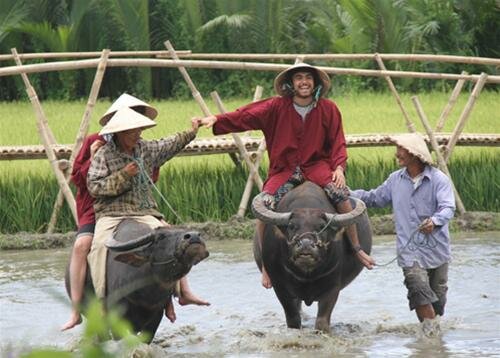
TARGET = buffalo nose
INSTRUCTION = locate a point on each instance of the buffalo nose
(306, 244)
(193, 237)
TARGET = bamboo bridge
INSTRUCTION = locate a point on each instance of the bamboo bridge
(227, 145)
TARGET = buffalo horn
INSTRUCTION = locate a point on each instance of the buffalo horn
(261, 212)
(115, 245)
(349, 218)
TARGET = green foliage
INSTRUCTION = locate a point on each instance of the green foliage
(465, 27)
(99, 328)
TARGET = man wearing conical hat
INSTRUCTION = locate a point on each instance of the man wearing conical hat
(85, 202)
(305, 141)
(423, 203)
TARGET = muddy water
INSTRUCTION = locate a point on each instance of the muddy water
(371, 317)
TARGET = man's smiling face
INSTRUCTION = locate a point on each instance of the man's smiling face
(303, 84)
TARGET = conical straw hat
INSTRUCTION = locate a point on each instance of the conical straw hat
(125, 119)
(415, 144)
(279, 81)
(126, 100)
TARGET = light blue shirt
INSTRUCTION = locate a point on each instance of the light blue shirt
(432, 198)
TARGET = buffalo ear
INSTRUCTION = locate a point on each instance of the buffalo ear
(135, 258)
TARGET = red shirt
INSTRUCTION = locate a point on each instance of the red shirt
(317, 145)
(84, 202)
(81, 165)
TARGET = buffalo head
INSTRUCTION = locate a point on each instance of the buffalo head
(309, 233)
(169, 252)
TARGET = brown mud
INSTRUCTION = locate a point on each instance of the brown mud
(243, 228)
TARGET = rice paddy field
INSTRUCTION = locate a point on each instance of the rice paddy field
(209, 187)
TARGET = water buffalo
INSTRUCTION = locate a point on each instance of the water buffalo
(307, 253)
(141, 270)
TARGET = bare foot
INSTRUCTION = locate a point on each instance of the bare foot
(266, 280)
(188, 298)
(170, 311)
(74, 320)
(365, 259)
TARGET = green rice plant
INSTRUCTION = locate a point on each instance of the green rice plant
(201, 189)
(210, 187)
(367, 112)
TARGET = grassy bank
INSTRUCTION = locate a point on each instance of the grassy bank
(209, 188)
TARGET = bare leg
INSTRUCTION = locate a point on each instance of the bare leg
(170, 310)
(265, 279)
(77, 272)
(345, 207)
(187, 297)
(425, 311)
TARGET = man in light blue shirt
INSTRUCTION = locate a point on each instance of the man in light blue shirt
(423, 203)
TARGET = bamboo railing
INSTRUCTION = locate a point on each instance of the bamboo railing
(226, 145)
(228, 65)
(267, 56)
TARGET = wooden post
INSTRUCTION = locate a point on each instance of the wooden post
(47, 139)
(451, 103)
(248, 186)
(82, 132)
(409, 123)
(243, 152)
(465, 115)
(258, 93)
(245, 198)
(435, 146)
(196, 95)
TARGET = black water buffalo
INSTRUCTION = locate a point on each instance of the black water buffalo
(307, 253)
(141, 270)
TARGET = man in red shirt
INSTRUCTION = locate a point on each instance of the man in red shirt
(305, 141)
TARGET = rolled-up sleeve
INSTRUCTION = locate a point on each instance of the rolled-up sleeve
(375, 198)
(101, 182)
(249, 117)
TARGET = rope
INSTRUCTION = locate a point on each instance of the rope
(427, 241)
(141, 183)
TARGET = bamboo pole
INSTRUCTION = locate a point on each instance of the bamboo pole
(258, 93)
(409, 123)
(46, 141)
(451, 103)
(237, 140)
(439, 156)
(267, 56)
(245, 198)
(194, 91)
(45, 55)
(82, 132)
(465, 115)
(344, 57)
(228, 65)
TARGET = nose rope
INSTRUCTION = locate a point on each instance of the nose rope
(141, 183)
(429, 241)
(315, 234)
